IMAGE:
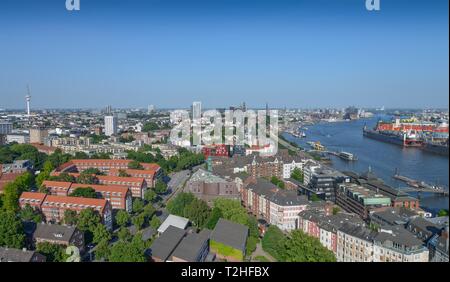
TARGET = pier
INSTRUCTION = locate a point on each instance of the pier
(420, 186)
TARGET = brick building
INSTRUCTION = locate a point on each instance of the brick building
(53, 207)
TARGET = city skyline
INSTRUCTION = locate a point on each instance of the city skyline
(169, 53)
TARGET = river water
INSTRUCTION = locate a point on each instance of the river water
(383, 158)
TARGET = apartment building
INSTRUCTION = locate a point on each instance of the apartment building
(324, 226)
(277, 206)
(137, 185)
(118, 196)
(53, 207)
(355, 243)
(396, 244)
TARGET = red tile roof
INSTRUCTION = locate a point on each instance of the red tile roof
(75, 201)
(33, 196)
(139, 180)
(102, 188)
(6, 178)
(61, 184)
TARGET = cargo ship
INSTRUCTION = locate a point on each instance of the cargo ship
(437, 148)
(406, 139)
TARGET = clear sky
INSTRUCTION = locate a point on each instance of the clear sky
(303, 53)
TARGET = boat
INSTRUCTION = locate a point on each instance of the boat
(347, 156)
(405, 139)
(437, 148)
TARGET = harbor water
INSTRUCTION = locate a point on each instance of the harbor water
(383, 158)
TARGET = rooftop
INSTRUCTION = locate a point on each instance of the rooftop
(275, 194)
(230, 234)
(173, 220)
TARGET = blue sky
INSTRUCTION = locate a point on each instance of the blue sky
(304, 53)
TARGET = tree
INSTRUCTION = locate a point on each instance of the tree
(198, 212)
(81, 156)
(297, 174)
(273, 242)
(88, 219)
(315, 198)
(123, 173)
(150, 126)
(301, 247)
(102, 250)
(11, 230)
(155, 222)
(251, 245)
(277, 182)
(135, 165)
(150, 196)
(149, 211)
(442, 212)
(45, 173)
(176, 205)
(214, 217)
(53, 252)
(92, 170)
(122, 218)
(70, 217)
(27, 213)
(101, 234)
(63, 176)
(124, 234)
(336, 210)
(160, 187)
(232, 210)
(87, 192)
(138, 221)
(87, 179)
(13, 190)
(138, 205)
(126, 252)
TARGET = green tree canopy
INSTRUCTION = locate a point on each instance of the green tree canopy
(150, 196)
(53, 252)
(70, 217)
(135, 165)
(100, 234)
(160, 187)
(198, 212)
(87, 192)
(138, 221)
(11, 230)
(138, 205)
(27, 213)
(122, 218)
(123, 251)
(273, 242)
(177, 205)
(301, 247)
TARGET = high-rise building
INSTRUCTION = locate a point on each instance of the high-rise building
(108, 110)
(37, 135)
(151, 109)
(196, 110)
(110, 125)
(6, 127)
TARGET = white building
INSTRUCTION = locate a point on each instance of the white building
(288, 168)
(110, 125)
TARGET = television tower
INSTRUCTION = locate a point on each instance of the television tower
(28, 98)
